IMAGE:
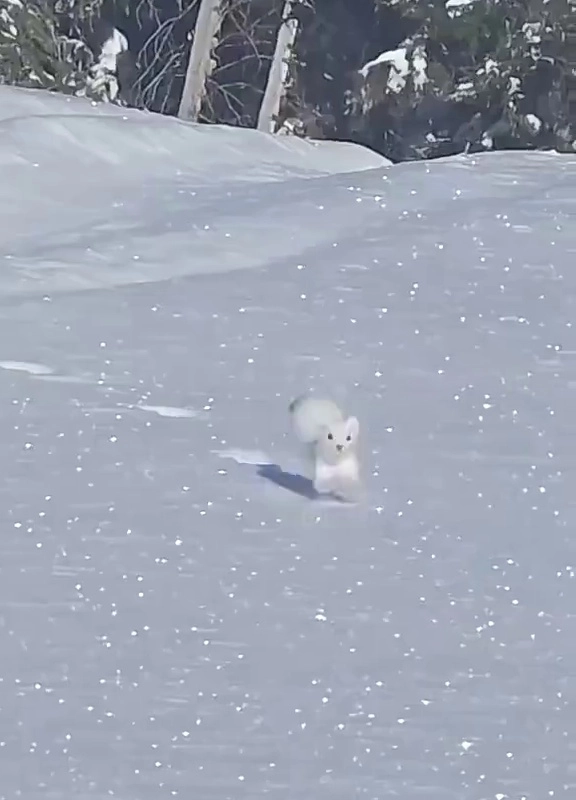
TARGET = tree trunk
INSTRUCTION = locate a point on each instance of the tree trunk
(279, 74)
(207, 26)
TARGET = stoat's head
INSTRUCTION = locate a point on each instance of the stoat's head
(338, 440)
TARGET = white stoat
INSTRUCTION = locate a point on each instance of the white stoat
(332, 440)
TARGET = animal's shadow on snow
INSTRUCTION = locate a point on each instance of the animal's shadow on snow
(297, 484)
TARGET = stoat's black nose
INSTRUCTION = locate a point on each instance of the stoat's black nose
(339, 447)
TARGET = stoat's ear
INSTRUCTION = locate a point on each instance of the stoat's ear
(352, 427)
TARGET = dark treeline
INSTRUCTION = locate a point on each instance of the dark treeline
(409, 78)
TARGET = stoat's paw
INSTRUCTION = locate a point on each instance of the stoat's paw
(322, 486)
(349, 491)
(344, 488)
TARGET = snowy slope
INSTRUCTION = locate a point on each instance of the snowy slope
(177, 624)
(94, 195)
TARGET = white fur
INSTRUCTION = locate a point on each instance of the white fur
(333, 442)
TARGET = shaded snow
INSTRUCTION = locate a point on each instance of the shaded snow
(178, 618)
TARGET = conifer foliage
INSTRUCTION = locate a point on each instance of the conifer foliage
(409, 78)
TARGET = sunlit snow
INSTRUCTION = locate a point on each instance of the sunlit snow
(179, 619)
(102, 75)
(457, 7)
(399, 68)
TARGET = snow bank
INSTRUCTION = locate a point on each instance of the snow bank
(82, 183)
(95, 196)
(38, 126)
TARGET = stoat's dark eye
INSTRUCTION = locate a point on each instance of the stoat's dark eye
(348, 438)
(330, 436)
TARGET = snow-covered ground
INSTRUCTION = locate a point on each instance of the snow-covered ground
(114, 196)
(180, 620)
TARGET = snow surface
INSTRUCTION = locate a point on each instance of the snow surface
(179, 618)
(456, 7)
(420, 66)
(124, 214)
(103, 74)
(399, 65)
(534, 122)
